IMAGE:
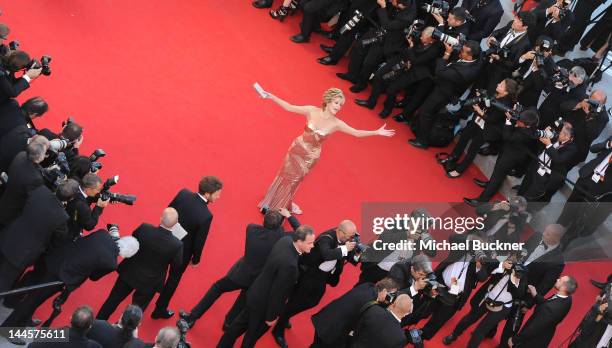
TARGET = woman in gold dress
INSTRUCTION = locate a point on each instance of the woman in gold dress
(305, 150)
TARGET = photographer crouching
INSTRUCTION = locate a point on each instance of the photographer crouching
(563, 87)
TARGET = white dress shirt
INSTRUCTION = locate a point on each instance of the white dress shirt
(499, 292)
(540, 251)
(458, 270)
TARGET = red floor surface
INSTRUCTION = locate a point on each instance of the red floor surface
(164, 87)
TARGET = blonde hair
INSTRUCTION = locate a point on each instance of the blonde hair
(330, 95)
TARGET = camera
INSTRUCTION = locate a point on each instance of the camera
(517, 259)
(379, 36)
(431, 284)
(105, 194)
(456, 42)
(352, 22)
(495, 48)
(595, 106)
(3, 178)
(55, 174)
(359, 247)
(414, 337)
(13, 45)
(183, 326)
(396, 70)
(43, 64)
(515, 111)
(564, 9)
(57, 145)
(560, 78)
(440, 7)
(95, 165)
(552, 133)
(482, 97)
(415, 29)
(113, 230)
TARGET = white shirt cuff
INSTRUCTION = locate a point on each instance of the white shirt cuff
(26, 77)
(344, 250)
(499, 269)
(521, 60)
(454, 289)
(549, 145)
(412, 291)
(508, 123)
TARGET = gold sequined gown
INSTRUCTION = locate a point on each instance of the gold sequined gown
(303, 154)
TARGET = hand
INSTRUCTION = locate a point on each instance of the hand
(532, 290)
(505, 205)
(385, 132)
(408, 64)
(584, 105)
(478, 265)
(271, 323)
(448, 48)
(453, 280)
(603, 307)
(382, 3)
(101, 203)
(78, 142)
(554, 12)
(478, 110)
(507, 265)
(508, 116)
(410, 42)
(494, 57)
(438, 18)
(419, 284)
(350, 246)
(490, 40)
(34, 73)
(284, 212)
(528, 55)
(545, 141)
(510, 344)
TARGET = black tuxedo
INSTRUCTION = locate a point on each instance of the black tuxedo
(13, 143)
(75, 340)
(378, 327)
(28, 236)
(550, 108)
(266, 297)
(532, 86)
(554, 30)
(591, 331)
(334, 321)
(11, 87)
(91, 257)
(492, 217)
(540, 328)
(259, 243)
(110, 336)
(82, 216)
(486, 17)
(145, 272)
(24, 176)
(11, 116)
(195, 218)
(587, 128)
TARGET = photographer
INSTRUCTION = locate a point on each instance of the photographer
(380, 327)
(12, 115)
(82, 217)
(10, 85)
(416, 279)
(553, 19)
(581, 213)
(451, 80)
(486, 14)
(595, 330)
(493, 301)
(68, 141)
(4, 31)
(504, 220)
(506, 45)
(534, 68)
(589, 118)
(387, 38)
(314, 12)
(323, 265)
(547, 173)
(411, 67)
(456, 23)
(486, 126)
(123, 334)
(563, 89)
(519, 140)
(334, 321)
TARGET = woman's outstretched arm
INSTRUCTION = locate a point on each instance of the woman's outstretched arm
(382, 131)
(303, 110)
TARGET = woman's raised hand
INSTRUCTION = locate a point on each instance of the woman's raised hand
(385, 132)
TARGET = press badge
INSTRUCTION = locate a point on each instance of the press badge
(596, 177)
(480, 122)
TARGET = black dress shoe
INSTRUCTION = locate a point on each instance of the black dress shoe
(324, 33)
(299, 38)
(449, 339)
(384, 113)
(262, 4)
(327, 49)
(162, 314)
(187, 317)
(416, 143)
(400, 118)
(225, 326)
(364, 103)
(400, 104)
(358, 88)
(480, 183)
(472, 201)
(280, 340)
(598, 285)
(346, 76)
(327, 60)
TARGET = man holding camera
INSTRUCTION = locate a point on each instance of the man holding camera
(504, 220)
(553, 19)
(381, 327)
(547, 173)
(81, 215)
(322, 266)
(486, 14)
(10, 85)
(335, 320)
(14, 115)
(534, 68)
(456, 24)
(563, 89)
(595, 330)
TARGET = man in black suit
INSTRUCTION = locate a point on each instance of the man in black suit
(504, 220)
(452, 79)
(519, 140)
(122, 334)
(13, 115)
(594, 328)
(547, 173)
(27, 237)
(24, 175)
(195, 218)
(11, 86)
(268, 294)
(573, 92)
(513, 41)
(381, 327)
(257, 247)
(334, 321)
(160, 253)
(322, 266)
(533, 73)
(553, 19)
(456, 24)
(80, 323)
(81, 216)
(594, 184)
(315, 12)
(549, 312)
(588, 121)
(486, 14)
(583, 10)
(544, 263)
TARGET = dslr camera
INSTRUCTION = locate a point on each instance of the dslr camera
(43, 63)
(415, 29)
(595, 107)
(379, 36)
(456, 42)
(495, 48)
(57, 172)
(482, 97)
(95, 165)
(440, 7)
(183, 326)
(105, 194)
(553, 132)
(352, 22)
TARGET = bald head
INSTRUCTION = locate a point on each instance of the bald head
(599, 95)
(346, 230)
(402, 306)
(552, 234)
(169, 218)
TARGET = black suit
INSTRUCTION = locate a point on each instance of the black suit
(91, 257)
(313, 281)
(259, 242)
(503, 234)
(554, 30)
(11, 87)
(451, 80)
(28, 236)
(591, 330)
(266, 297)
(334, 321)
(82, 217)
(531, 86)
(587, 128)
(550, 108)
(24, 176)
(195, 218)
(76, 340)
(486, 17)
(582, 14)
(110, 336)
(145, 272)
(378, 327)
(540, 328)
(13, 143)
(11, 116)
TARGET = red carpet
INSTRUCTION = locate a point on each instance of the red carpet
(164, 87)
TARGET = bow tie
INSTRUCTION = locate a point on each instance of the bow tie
(544, 245)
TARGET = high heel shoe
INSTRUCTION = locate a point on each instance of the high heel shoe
(280, 13)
